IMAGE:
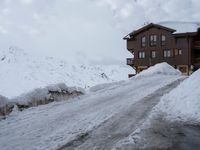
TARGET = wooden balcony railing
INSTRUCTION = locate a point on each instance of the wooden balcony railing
(130, 61)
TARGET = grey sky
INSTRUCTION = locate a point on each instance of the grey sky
(84, 30)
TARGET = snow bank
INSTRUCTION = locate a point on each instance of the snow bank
(5, 106)
(162, 68)
(183, 103)
(41, 96)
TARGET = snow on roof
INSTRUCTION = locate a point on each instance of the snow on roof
(181, 27)
(162, 68)
(183, 103)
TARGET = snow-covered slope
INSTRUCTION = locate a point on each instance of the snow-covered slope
(21, 72)
(183, 103)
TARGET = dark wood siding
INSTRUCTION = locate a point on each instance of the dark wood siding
(172, 42)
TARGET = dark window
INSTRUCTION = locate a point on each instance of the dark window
(143, 41)
(167, 53)
(141, 55)
(163, 40)
(153, 40)
(153, 54)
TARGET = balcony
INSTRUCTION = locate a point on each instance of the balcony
(130, 61)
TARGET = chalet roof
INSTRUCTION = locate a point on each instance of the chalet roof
(177, 28)
(147, 27)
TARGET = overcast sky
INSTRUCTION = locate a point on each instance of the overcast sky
(84, 30)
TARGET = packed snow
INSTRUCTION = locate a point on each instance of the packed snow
(162, 68)
(53, 125)
(183, 103)
(22, 72)
(181, 27)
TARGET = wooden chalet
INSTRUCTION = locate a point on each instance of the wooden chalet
(177, 45)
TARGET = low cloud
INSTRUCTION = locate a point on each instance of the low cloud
(90, 30)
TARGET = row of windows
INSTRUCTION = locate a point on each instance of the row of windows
(166, 53)
(153, 40)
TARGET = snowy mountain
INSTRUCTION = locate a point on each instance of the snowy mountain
(21, 72)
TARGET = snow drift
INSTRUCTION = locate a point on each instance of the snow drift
(183, 103)
(41, 96)
(162, 68)
(22, 72)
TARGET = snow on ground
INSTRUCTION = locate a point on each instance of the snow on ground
(50, 126)
(183, 103)
(177, 110)
(22, 72)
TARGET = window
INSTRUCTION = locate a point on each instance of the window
(167, 53)
(141, 55)
(143, 41)
(163, 40)
(179, 52)
(153, 54)
(153, 40)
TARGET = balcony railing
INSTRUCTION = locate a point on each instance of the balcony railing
(130, 61)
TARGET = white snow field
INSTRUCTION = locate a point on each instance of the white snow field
(52, 126)
(183, 103)
(22, 72)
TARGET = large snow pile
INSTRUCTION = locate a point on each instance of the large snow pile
(162, 69)
(181, 27)
(183, 103)
(22, 72)
(5, 106)
(50, 93)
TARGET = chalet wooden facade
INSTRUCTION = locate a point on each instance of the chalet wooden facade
(155, 43)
